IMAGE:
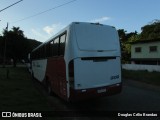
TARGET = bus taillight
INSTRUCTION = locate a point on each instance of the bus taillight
(71, 73)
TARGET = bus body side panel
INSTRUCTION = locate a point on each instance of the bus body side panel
(62, 77)
(51, 74)
(39, 69)
(56, 75)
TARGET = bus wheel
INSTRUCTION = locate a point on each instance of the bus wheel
(48, 87)
(32, 75)
(49, 91)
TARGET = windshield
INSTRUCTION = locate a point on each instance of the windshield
(96, 37)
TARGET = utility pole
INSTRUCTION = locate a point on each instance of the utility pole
(5, 48)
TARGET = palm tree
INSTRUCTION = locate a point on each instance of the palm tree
(16, 44)
(17, 31)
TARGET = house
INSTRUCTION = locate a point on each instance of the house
(145, 52)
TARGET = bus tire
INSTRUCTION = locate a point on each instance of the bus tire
(48, 86)
(32, 75)
(49, 91)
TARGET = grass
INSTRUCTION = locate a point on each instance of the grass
(18, 93)
(142, 76)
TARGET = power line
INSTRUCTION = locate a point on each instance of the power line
(11, 5)
(44, 11)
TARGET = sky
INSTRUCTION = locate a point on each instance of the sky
(129, 15)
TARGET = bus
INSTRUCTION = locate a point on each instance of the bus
(81, 61)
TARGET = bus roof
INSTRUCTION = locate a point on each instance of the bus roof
(81, 34)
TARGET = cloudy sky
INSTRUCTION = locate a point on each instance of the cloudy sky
(41, 19)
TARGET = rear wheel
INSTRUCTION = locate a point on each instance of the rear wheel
(32, 75)
(48, 87)
(49, 91)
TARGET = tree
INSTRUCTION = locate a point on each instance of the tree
(16, 43)
(125, 39)
(127, 46)
(151, 31)
(122, 34)
(1, 49)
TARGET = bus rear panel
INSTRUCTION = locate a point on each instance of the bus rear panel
(95, 69)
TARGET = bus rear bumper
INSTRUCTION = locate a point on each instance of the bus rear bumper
(82, 94)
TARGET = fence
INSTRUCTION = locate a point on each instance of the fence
(149, 68)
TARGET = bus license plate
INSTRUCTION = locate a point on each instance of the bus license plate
(101, 90)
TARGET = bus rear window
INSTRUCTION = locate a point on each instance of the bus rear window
(55, 47)
(62, 44)
(96, 38)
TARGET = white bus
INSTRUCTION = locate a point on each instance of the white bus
(82, 61)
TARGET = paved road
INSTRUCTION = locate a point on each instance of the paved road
(135, 96)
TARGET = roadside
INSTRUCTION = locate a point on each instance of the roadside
(18, 93)
(150, 78)
(142, 85)
(142, 79)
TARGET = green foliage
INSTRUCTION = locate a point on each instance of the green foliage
(17, 45)
(133, 38)
(1, 41)
(19, 93)
(151, 31)
(122, 34)
(125, 38)
(33, 44)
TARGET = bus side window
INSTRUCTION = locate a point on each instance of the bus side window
(62, 44)
(51, 48)
(48, 50)
(55, 47)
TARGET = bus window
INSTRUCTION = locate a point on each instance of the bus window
(47, 50)
(62, 44)
(51, 48)
(55, 47)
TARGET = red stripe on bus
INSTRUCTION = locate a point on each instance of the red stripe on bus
(56, 74)
(77, 95)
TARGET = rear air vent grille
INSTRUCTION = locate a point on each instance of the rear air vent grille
(98, 59)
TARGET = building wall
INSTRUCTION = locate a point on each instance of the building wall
(145, 50)
(149, 68)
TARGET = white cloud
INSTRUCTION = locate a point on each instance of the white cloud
(53, 29)
(48, 29)
(38, 35)
(46, 32)
(100, 20)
